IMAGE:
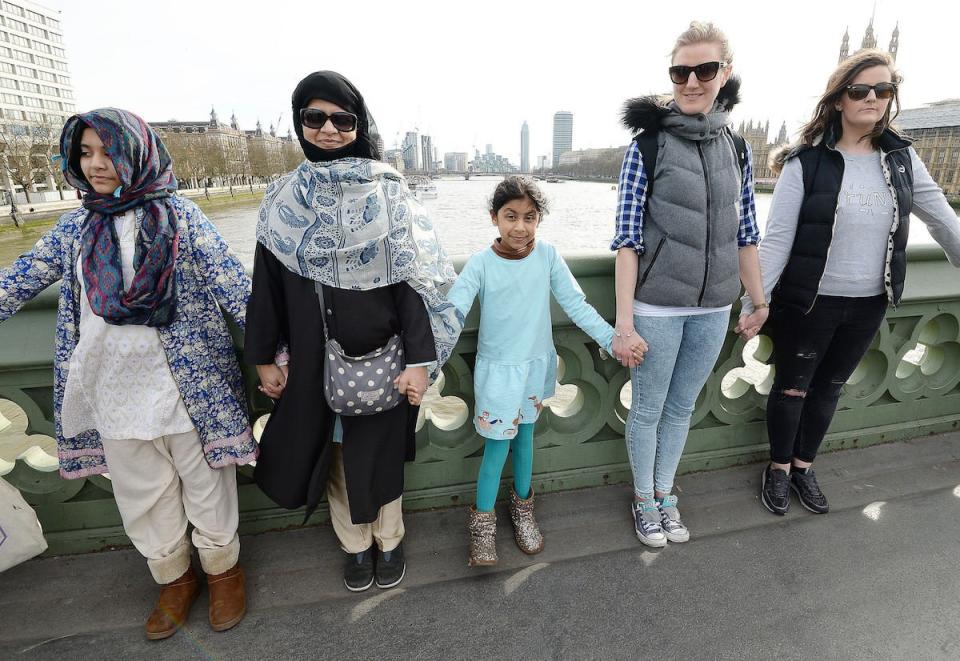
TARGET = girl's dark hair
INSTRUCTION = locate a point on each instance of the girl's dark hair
(73, 158)
(517, 187)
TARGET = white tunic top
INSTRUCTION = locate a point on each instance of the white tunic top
(119, 381)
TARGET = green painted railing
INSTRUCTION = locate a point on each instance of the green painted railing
(907, 385)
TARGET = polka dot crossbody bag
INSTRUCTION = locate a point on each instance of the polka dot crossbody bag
(360, 385)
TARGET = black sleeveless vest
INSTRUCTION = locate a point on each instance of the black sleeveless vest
(822, 176)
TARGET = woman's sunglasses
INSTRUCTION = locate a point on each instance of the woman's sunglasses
(316, 119)
(705, 72)
(882, 90)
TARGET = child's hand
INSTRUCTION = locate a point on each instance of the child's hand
(273, 379)
(412, 382)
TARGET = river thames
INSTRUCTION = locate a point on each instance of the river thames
(581, 219)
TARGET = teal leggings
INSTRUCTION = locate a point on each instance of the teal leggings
(495, 456)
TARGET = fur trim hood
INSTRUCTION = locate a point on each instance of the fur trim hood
(646, 112)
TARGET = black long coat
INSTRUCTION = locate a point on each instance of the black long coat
(295, 448)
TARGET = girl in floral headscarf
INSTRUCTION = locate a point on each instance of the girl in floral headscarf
(146, 383)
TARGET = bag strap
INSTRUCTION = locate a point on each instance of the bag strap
(648, 145)
(323, 309)
(739, 147)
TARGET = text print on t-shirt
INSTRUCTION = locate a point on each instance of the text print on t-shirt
(867, 201)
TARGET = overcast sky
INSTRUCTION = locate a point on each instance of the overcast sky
(470, 73)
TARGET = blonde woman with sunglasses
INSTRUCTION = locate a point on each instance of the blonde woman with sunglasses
(683, 248)
(834, 257)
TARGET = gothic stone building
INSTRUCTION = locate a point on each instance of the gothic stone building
(936, 131)
(870, 41)
(758, 135)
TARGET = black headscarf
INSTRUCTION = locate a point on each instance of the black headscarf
(331, 86)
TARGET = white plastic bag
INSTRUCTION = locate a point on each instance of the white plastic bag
(20, 535)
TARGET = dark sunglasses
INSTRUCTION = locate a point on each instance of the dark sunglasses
(882, 90)
(705, 72)
(316, 119)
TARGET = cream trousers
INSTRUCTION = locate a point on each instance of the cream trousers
(163, 484)
(387, 530)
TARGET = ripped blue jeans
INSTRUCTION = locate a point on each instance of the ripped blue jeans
(814, 355)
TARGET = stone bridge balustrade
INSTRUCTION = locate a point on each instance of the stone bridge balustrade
(906, 386)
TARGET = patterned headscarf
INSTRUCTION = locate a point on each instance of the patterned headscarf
(146, 180)
(353, 224)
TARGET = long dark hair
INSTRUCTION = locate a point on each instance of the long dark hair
(826, 117)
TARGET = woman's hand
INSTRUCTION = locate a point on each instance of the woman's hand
(273, 379)
(412, 382)
(628, 347)
(750, 324)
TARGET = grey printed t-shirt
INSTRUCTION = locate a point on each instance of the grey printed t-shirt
(864, 216)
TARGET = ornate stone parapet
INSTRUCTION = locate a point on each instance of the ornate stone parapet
(906, 386)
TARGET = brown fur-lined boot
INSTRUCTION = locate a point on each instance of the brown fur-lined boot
(173, 606)
(228, 598)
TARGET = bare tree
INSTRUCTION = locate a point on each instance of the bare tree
(51, 156)
(186, 150)
(276, 160)
(292, 156)
(22, 150)
(259, 160)
(232, 156)
(214, 160)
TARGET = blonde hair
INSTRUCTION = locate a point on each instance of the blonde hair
(699, 33)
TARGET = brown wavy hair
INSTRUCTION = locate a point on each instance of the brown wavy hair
(826, 115)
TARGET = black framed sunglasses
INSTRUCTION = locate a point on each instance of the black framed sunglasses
(882, 90)
(316, 119)
(705, 72)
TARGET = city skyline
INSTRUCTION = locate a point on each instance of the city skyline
(465, 103)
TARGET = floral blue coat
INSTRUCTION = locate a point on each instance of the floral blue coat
(197, 343)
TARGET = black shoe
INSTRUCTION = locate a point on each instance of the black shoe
(775, 490)
(358, 571)
(390, 567)
(804, 482)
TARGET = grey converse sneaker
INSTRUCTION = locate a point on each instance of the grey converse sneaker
(673, 527)
(646, 523)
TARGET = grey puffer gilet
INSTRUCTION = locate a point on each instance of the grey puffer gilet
(692, 218)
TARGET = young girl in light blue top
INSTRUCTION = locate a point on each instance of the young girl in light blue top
(516, 365)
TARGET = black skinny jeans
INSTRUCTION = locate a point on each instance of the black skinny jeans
(815, 354)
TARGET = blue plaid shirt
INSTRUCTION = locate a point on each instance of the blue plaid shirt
(633, 199)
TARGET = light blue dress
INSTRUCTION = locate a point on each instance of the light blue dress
(516, 366)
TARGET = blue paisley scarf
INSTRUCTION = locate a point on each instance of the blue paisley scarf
(146, 175)
(353, 224)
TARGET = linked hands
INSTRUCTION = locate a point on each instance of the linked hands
(273, 379)
(412, 382)
(628, 346)
(750, 324)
